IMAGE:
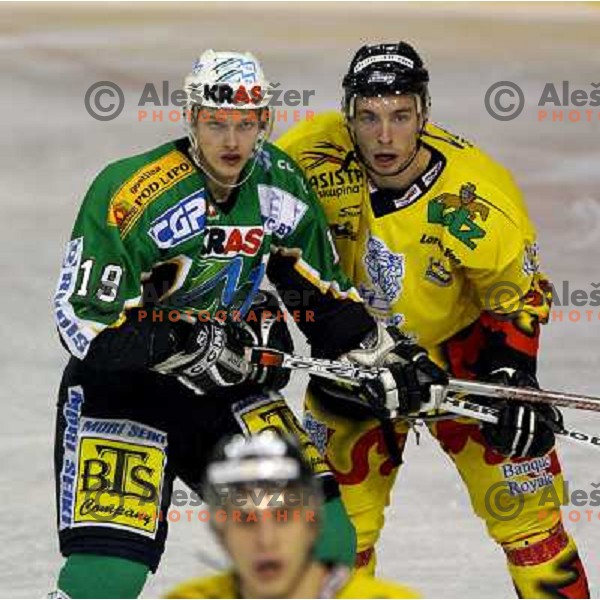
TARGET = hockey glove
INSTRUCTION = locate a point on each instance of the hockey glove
(212, 357)
(523, 430)
(410, 383)
(268, 329)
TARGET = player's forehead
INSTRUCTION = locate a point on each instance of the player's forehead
(385, 104)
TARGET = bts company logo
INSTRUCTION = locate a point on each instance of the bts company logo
(181, 222)
(119, 484)
(230, 241)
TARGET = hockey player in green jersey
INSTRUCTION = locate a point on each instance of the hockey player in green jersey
(157, 298)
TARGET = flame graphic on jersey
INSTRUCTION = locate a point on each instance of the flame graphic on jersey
(360, 453)
(327, 152)
(573, 582)
(454, 435)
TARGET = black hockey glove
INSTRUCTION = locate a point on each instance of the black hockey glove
(268, 329)
(212, 357)
(523, 430)
(411, 381)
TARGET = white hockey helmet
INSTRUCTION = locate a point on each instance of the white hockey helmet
(226, 80)
(230, 80)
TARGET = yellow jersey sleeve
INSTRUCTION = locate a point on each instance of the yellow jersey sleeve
(488, 228)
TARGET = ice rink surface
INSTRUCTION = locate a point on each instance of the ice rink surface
(51, 149)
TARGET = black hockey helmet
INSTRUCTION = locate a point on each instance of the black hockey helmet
(383, 70)
(267, 460)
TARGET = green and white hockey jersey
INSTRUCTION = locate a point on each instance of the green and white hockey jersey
(147, 234)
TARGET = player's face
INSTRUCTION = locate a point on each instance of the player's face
(270, 545)
(226, 139)
(386, 131)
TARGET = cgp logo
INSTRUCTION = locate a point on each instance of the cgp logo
(504, 101)
(180, 223)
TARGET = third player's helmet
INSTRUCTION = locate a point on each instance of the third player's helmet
(268, 460)
(383, 70)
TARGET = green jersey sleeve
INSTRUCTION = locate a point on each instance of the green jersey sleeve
(100, 275)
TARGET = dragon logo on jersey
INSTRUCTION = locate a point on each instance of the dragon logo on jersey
(458, 214)
(385, 268)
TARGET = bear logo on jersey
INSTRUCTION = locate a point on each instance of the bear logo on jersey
(385, 268)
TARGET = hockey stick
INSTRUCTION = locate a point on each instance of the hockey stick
(489, 414)
(338, 370)
(335, 369)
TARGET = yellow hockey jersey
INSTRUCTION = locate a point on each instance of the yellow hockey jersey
(430, 258)
(340, 584)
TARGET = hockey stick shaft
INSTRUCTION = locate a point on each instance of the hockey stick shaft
(350, 374)
(335, 369)
(489, 414)
(492, 390)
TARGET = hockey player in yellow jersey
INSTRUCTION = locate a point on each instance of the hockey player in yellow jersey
(265, 508)
(436, 237)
